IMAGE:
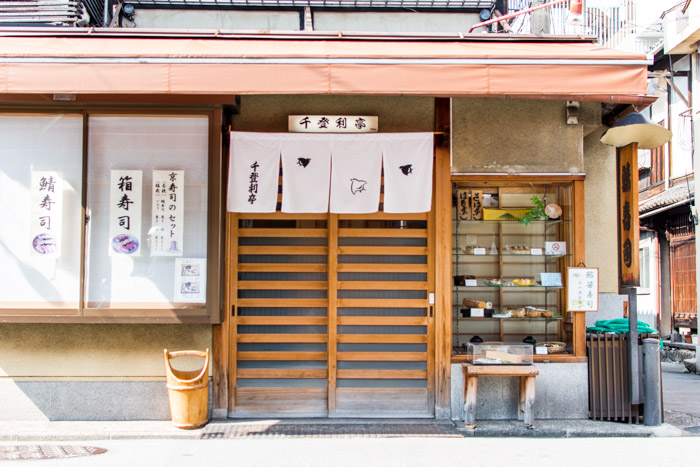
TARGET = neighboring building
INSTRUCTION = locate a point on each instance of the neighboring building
(668, 296)
(110, 133)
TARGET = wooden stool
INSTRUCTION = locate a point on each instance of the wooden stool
(526, 397)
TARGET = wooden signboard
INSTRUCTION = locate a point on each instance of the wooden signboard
(582, 289)
(628, 215)
(477, 206)
(464, 209)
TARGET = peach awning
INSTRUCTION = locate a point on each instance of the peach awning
(216, 66)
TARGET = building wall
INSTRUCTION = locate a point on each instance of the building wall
(269, 113)
(116, 371)
(91, 371)
(250, 20)
(491, 135)
(601, 210)
(561, 394)
(216, 19)
(394, 22)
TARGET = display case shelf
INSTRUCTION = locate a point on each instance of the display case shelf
(505, 253)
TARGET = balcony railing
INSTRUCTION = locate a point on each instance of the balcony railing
(41, 12)
(614, 24)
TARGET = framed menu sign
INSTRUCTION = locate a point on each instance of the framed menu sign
(582, 289)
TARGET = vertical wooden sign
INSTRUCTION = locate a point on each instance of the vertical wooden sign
(628, 215)
(464, 209)
(477, 205)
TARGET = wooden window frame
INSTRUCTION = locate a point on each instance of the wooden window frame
(209, 313)
(577, 249)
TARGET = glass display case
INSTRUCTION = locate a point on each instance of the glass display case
(500, 354)
(511, 247)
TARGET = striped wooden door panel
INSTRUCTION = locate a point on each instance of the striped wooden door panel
(381, 326)
(281, 316)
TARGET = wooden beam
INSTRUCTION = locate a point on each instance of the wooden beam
(579, 256)
(442, 211)
(332, 312)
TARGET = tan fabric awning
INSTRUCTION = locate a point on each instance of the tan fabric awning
(117, 65)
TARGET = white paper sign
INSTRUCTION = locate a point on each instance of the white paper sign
(125, 200)
(168, 213)
(470, 283)
(333, 124)
(541, 350)
(46, 213)
(479, 251)
(554, 248)
(536, 251)
(190, 280)
(550, 279)
(477, 313)
(582, 289)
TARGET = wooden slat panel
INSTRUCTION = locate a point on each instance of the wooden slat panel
(283, 320)
(375, 233)
(382, 320)
(382, 267)
(418, 216)
(282, 356)
(282, 302)
(394, 402)
(382, 303)
(281, 267)
(383, 338)
(299, 402)
(282, 250)
(382, 285)
(383, 250)
(282, 338)
(290, 233)
(382, 356)
(381, 374)
(282, 216)
(282, 285)
(332, 310)
(267, 373)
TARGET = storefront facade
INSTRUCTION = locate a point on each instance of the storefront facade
(325, 314)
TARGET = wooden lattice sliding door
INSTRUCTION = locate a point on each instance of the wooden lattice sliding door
(280, 323)
(384, 330)
(332, 315)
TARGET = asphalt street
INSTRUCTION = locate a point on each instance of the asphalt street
(681, 390)
(400, 452)
(156, 444)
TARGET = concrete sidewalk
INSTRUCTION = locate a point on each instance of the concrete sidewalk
(681, 394)
(323, 428)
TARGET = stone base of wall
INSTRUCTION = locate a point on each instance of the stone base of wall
(562, 393)
(84, 400)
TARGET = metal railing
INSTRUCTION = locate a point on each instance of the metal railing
(54, 12)
(615, 25)
(457, 4)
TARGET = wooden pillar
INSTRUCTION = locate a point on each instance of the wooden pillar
(579, 256)
(443, 257)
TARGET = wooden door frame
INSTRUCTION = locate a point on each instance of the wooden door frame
(439, 239)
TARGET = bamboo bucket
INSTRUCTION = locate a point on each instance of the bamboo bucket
(188, 391)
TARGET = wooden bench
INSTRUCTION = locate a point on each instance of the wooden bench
(526, 397)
